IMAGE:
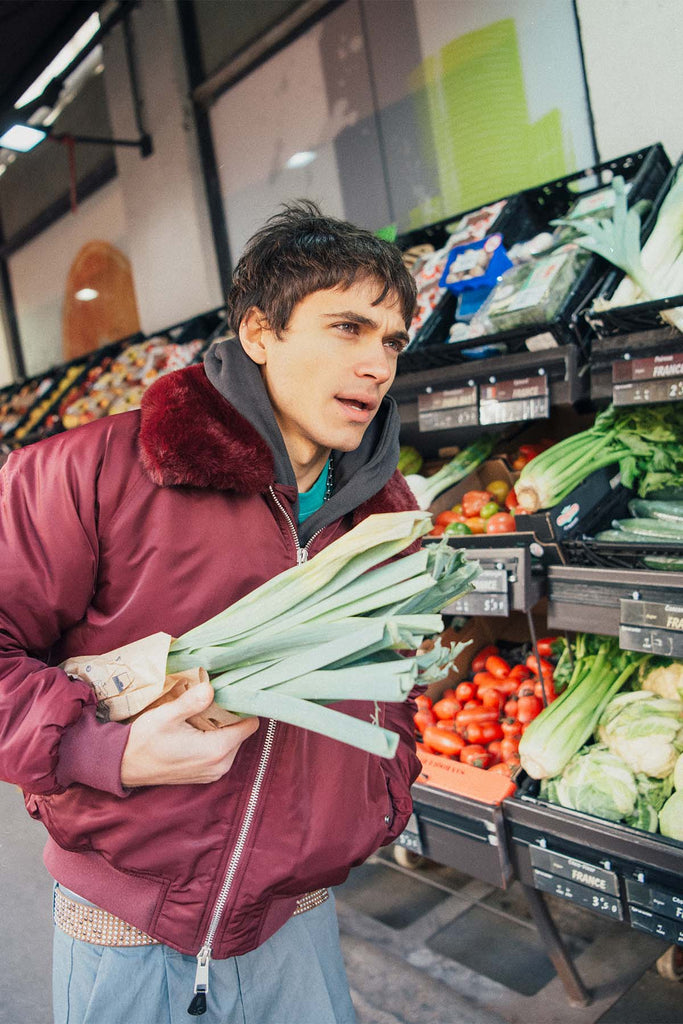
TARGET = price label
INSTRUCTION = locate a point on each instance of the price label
(652, 613)
(661, 901)
(600, 902)
(480, 604)
(663, 642)
(646, 921)
(513, 401)
(410, 837)
(590, 875)
(648, 392)
(489, 597)
(443, 410)
(661, 367)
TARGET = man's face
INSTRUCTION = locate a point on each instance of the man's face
(332, 366)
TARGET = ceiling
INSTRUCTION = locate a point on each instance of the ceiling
(32, 32)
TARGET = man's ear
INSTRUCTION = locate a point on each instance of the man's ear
(253, 334)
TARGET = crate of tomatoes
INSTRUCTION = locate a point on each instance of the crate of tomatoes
(480, 720)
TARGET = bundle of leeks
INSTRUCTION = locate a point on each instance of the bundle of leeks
(331, 630)
(653, 271)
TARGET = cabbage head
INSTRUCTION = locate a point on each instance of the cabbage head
(598, 782)
(671, 816)
(645, 731)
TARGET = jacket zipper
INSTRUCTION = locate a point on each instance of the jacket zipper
(302, 553)
(201, 981)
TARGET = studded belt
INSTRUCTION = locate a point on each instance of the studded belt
(92, 924)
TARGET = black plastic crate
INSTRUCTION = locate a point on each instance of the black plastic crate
(591, 553)
(641, 316)
(532, 211)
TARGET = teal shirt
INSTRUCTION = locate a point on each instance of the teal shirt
(311, 501)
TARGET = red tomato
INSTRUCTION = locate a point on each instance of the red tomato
(424, 718)
(526, 688)
(502, 768)
(436, 531)
(491, 732)
(444, 518)
(511, 501)
(509, 748)
(484, 679)
(494, 748)
(475, 714)
(441, 741)
(528, 708)
(476, 755)
(423, 701)
(491, 698)
(512, 729)
(500, 522)
(545, 646)
(545, 691)
(446, 723)
(498, 667)
(474, 501)
(519, 672)
(465, 691)
(506, 686)
(546, 669)
(447, 707)
(479, 660)
(510, 707)
(474, 732)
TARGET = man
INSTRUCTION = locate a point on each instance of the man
(171, 848)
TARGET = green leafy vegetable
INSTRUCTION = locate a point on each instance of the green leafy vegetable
(343, 626)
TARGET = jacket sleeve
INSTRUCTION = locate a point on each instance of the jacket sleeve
(401, 771)
(49, 736)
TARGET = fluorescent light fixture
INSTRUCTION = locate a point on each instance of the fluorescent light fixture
(61, 61)
(86, 294)
(301, 159)
(21, 138)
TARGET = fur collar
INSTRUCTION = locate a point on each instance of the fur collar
(190, 436)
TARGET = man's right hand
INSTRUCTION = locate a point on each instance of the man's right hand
(163, 749)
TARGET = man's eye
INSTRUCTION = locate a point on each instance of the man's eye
(347, 328)
(397, 344)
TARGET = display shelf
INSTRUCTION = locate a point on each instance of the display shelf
(644, 609)
(510, 579)
(638, 358)
(460, 832)
(612, 869)
(559, 367)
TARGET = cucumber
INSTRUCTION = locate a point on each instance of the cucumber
(618, 537)
(669, 563)
(669, 511)
(654, 529)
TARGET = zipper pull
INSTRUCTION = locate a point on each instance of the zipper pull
(201, 983)
(301, 556)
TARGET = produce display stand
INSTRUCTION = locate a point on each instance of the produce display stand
(620, 872)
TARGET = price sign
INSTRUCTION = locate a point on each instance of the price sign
(602, 903)
(662, 642)
(513, 401)
(573, 870)
(410, 837)
(443, 410)
(648, 380)
(490, 596)
(651, 627)
(646, 921)
(661, 901)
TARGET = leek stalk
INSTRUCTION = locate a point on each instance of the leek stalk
(345, 625)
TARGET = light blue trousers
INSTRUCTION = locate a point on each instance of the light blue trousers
(296, 977)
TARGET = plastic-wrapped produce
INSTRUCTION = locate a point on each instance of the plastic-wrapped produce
(534, 292)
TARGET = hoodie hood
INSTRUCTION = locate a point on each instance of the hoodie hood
(358, 475)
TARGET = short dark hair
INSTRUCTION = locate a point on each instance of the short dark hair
(300, 251)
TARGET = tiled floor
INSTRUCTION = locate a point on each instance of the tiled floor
(431, 946)
(479, 957)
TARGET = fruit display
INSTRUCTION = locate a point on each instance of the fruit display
(481, 720)
(479, 511)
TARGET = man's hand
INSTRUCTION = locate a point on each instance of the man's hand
(163, 749)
